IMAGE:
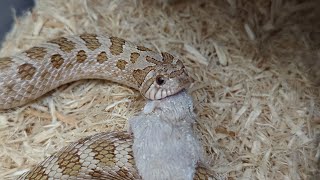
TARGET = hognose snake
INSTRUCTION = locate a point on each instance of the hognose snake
(34, 72)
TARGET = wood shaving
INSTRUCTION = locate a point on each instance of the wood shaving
(255, 67)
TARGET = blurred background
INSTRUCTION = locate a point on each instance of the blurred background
(8, 10)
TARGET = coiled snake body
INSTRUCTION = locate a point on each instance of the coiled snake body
(163, 147)
(105, 156)
(32, 73)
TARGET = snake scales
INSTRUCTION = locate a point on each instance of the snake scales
(32, 73)
(116, 160)
(163, 147)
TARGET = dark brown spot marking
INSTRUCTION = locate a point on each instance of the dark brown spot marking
(30, 89)
(124, 173)
(140, 74)
(36, 53)
(116, 47)
(91, 40)
(64, 44)
(96, 173)
(69, 163)
(81, 56)
(176, 73)
(104, 152)
(142, 48)
(134, 56)
(121, 64)
(5, 63)
(167, 58)
(152, 60)
(69, 65)
(37, 172)
(45, 75)
(102, 57)
(57, 61)
(130, 158)
(26, 71)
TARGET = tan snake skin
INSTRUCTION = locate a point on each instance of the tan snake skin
(163, 146)
(102, 156)
(32, 73)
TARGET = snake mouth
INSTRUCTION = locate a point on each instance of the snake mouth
(157, 93)
(171, 86)
(177, 92)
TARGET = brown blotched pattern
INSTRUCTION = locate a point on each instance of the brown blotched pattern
(178, 71)
(152, 60)
(69, 163)
(121, 64)
(101, 156)
(117, 44)
(30, 89)
(26, 71)
(133, 57)
(57, 61)
(110, 58)
(5, 63)
(104, 152)
(96, 174)
(69, 65)
(39, 173)
(102, 57)
(124, 173)
(105, 155)
(36, 53)
(81, 56)
(91, 41)
(167, 58)
(140, 74)
(45, 75)
(142, 48)
(64, 44)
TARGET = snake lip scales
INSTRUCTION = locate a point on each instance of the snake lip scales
(30, 74)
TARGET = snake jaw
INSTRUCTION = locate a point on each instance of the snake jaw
(171, 87)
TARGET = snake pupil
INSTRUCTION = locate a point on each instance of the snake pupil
(160, 80)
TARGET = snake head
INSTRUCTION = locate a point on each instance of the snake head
(167, 77)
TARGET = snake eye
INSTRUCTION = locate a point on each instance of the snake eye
(160, 80)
